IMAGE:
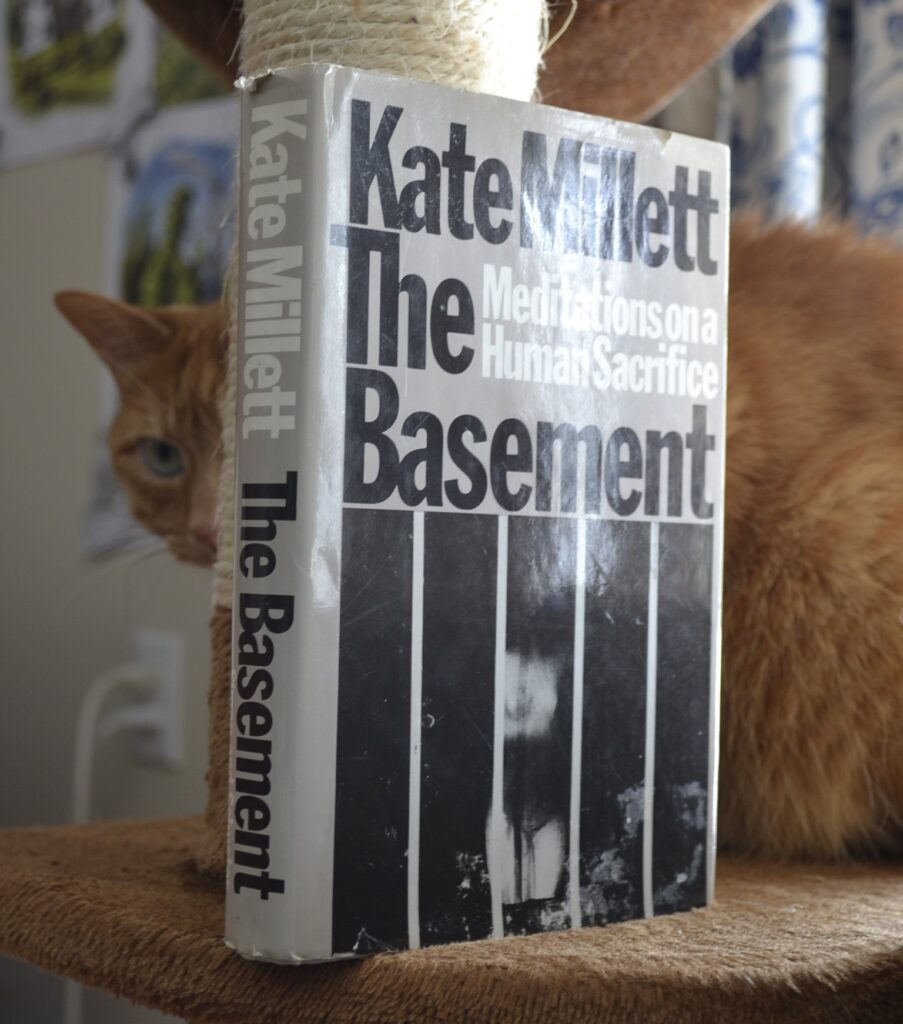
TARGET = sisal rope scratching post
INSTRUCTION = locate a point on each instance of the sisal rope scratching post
(492, 46)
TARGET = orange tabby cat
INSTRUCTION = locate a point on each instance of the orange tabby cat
(164, 442)
(812, 720)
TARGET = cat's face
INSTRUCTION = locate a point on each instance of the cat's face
(169, 367)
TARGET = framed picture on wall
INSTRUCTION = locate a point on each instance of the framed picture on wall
(73, 75)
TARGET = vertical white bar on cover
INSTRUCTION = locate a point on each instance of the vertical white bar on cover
(415, 745)
(651, 674)
(496, 838)
(577, 728)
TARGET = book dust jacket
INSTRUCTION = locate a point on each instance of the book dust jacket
(480, 429)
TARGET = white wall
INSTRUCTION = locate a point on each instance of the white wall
(64, 619)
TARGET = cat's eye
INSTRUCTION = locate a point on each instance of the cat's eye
(161, 457)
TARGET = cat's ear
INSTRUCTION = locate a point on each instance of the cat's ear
(122, 335)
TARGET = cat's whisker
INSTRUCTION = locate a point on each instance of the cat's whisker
(159, 563)
(102, 569)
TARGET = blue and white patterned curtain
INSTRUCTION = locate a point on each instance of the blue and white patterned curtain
(811, 102)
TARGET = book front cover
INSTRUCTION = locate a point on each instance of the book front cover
(480, 442)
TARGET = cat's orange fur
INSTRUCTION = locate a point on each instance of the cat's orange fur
(812, 721)
(168, 365)
(812, 718)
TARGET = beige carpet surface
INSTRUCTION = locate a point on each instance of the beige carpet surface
(121, 907)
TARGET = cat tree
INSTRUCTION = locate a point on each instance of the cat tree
(123, 906)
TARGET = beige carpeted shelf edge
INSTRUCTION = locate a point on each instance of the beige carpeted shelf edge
(120, 906)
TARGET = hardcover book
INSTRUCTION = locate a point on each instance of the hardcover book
(480, 431)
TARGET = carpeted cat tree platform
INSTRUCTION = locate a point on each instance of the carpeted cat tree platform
(124, 907)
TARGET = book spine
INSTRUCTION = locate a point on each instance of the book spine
(282, 796)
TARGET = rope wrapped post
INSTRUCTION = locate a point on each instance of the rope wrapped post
(492, 46)
(489, 46)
